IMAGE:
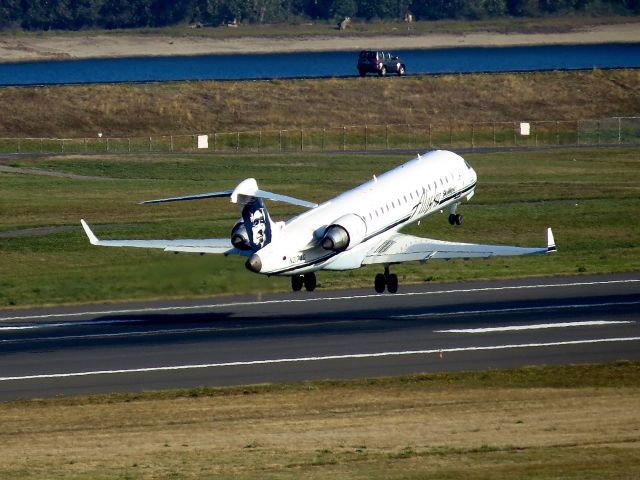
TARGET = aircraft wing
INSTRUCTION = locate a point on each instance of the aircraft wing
(212, 245)
(406, 248)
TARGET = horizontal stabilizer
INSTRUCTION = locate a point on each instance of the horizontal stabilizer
(198, 196)
(242, 194)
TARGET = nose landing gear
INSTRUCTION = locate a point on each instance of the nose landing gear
(454, 218)
(388, 280)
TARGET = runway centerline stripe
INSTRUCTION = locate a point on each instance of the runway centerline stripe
(539, 326)
(318, 299)
(320, 358)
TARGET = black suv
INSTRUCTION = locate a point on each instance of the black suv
(380, 63)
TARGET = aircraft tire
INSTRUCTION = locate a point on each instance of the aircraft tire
(392, 283)
(310, 281)
(380, 283)
(296, 282)
(458, 219)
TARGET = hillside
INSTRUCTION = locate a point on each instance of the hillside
(209, 106)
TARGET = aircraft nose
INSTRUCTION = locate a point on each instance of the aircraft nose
(254, 263)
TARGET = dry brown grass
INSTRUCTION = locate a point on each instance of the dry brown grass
(347, 430)
(207, 106)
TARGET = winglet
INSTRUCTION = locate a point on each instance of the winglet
(92, 238)
(551, 243)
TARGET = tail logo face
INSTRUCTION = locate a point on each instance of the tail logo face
(258, 224)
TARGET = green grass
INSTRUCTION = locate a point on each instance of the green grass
(589, 196)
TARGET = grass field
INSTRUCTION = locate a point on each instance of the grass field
(571, 422)
(589, 196)
(181, 108)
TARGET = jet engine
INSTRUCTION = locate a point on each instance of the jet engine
(239, 236)
(344, 233)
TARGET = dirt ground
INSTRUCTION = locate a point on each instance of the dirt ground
(28, 47)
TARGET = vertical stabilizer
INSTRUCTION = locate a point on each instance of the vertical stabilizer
(258, 223)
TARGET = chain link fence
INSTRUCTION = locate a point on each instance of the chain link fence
(609, 131)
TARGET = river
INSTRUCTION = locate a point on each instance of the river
(318, 64)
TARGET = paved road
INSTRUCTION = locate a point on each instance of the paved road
(342, 334)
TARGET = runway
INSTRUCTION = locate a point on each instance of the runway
(319, 335)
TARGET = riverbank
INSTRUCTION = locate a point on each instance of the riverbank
(22, 47)
(182, 108)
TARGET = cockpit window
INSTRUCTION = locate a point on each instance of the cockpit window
(467, 164)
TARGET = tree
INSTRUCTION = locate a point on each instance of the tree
(343, 8)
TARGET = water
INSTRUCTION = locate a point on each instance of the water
(319, 64)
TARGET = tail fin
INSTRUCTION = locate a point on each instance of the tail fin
(258, 223)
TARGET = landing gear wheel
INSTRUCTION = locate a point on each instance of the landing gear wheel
(392, 283)
(297, 282)
(455, 219)
(310, 281)
(380, 282)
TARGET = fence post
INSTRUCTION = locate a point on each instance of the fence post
(344, 138)
(515, 134)
(237, 141)
(107, 144)
(280, 140)
(129, 144)
(170, 142)
(365, 137)
(473, 132)
(558, 133)
(62, 146)
(302, 139)
(322, 142)
(619, 130)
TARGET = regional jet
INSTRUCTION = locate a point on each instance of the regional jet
(358, 227)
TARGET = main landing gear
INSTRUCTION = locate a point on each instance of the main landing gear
(308, 280)
(388, 280)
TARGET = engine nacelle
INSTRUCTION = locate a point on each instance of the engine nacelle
(344, 233)
(240, 237)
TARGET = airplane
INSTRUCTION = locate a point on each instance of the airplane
(358, 227)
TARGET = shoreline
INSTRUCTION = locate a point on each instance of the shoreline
(23, 48)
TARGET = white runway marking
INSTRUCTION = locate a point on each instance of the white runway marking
(320, 358)
(539, 326)
(513, 310)
(306, 300)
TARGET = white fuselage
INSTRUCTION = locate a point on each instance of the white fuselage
(379, 207)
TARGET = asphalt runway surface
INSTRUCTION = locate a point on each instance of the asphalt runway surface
(319, 335)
